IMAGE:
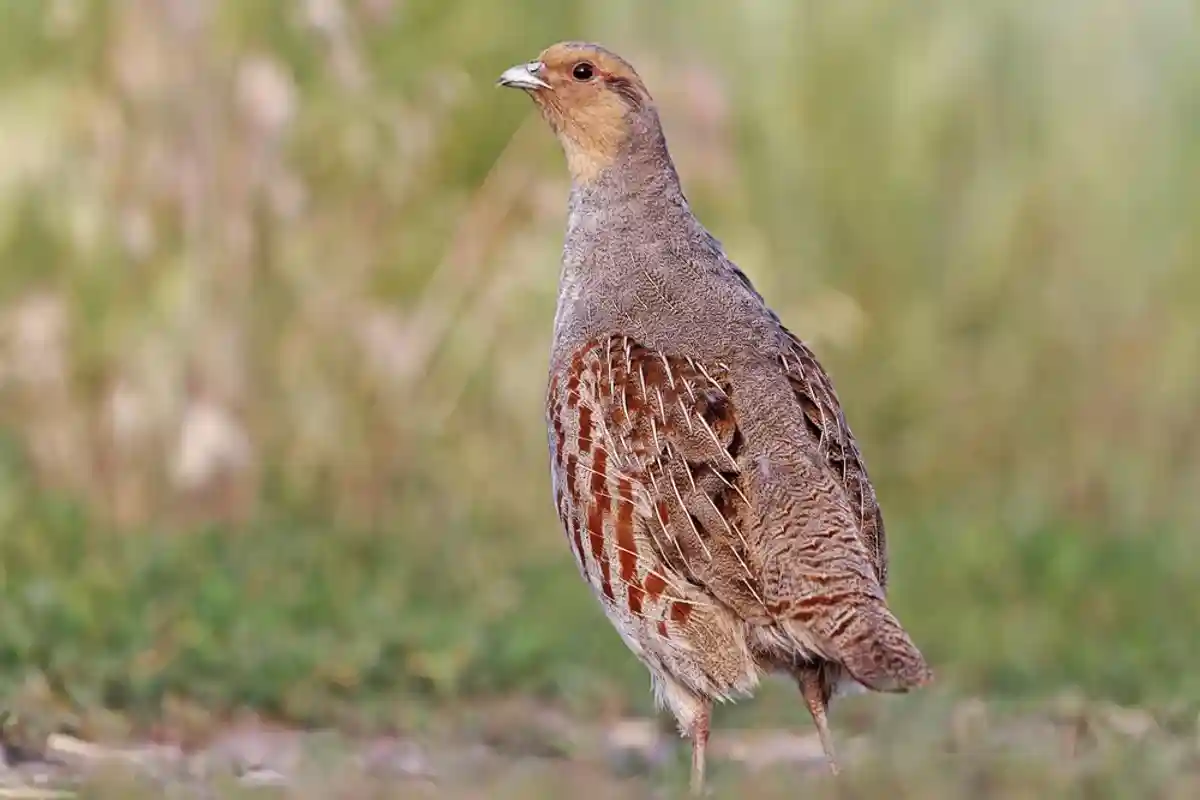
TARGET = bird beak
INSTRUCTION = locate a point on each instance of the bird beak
(523, 76)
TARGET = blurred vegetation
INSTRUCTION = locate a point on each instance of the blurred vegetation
(276, 287)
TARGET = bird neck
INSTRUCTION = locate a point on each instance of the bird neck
(636, 164)
(634, 205)
(637, 194)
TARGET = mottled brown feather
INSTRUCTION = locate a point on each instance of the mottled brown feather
(827, 423)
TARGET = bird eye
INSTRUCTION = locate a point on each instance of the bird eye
(583, 71)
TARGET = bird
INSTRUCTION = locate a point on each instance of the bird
(702, 468)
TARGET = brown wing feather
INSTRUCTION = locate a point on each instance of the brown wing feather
(823, 413)
(667, 424)
(678, 420)
(795, 547)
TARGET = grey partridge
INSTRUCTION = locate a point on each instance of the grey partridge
(702, 467)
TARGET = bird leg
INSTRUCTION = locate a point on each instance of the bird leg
(817, 701)
(699, 737)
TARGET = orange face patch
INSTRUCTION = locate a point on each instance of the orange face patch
(591, 93)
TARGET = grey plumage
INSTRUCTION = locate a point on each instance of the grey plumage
(706, 478)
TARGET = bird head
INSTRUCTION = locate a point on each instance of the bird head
(593, 100)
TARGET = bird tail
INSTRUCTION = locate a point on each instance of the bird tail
(877, 652)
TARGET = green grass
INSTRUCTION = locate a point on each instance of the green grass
(275, 299)
(313, 624)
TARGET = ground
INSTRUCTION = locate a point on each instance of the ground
(926, 747)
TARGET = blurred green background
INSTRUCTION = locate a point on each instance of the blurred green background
(276, 289)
